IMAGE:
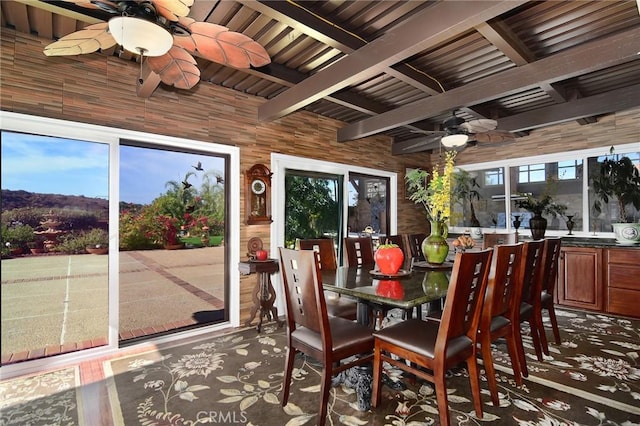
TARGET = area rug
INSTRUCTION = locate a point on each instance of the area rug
(593, 378)
(45, 399)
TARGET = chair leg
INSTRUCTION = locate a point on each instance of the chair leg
(535, 335)
(377, 376)
(490, 369)
(542, 337)
(554, 323)
(474, 380)
(522, 361)
(440, 384)
(288, 369)
(327, 373)
(516, 366)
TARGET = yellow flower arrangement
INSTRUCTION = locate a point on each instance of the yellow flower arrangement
(435, 195)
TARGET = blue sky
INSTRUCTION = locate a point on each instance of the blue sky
(51, 165)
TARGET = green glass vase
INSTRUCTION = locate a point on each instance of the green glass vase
(435, 247)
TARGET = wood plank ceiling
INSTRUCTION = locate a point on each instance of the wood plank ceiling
(402, 67)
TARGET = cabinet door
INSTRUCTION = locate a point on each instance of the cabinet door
(623, 281)
(580, 278)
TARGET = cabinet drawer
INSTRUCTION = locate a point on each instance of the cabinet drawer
(624, 276)
(628, 256)
(623, 302)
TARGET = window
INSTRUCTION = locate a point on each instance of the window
(495, 207)
(494, 177)
(480, 202)
(569, 169)
(531, 173)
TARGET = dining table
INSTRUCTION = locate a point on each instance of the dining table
(421, 283)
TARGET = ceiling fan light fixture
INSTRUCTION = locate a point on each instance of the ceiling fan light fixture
(455, 140)
(140, 36)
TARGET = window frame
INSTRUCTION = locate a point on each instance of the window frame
(582, 155)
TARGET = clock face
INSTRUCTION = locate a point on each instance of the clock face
(258, 187)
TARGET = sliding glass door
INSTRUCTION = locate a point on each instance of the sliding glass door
(316, 199)
(313, 206)
(112, 237)
(172, 228)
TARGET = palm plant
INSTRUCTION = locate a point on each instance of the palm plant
(619, 180)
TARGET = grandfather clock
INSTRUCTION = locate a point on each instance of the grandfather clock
(258, 195)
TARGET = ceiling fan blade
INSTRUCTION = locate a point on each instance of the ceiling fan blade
(479, 125)
(216, 43)
(106, 5)
(416, 145)
(439, 133)
(173, 9)
(87, 40)
(496, 136)
(176, 67)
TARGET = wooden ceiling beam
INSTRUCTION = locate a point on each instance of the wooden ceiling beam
(604, 103)
(596, 55)
(425, 29)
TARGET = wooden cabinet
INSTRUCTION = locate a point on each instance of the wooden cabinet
(580, 278)
(622, 275)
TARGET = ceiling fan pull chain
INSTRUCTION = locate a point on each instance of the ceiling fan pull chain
(142, 51)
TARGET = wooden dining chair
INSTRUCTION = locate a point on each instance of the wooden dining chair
(359, 251)
(311, 331)
(551, 257)
(324, 248)
(530, 311)
(401, 241)
(493, 239)
(500, 312)
(437, 346)
(415, 246)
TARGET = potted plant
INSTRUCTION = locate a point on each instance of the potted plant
(433, 192)
(618, 179)
(543, 204)
(464, 190)
(96, 241)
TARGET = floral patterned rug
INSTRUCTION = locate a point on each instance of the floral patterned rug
(593, 378)
(44, 399)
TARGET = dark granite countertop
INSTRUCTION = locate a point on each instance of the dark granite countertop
(595, 242)
(576, 241)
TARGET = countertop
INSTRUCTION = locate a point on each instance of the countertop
(573, 241)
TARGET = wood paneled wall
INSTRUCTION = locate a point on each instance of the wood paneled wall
(100, 89)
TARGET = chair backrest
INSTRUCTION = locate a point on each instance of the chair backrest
(531, 271)
(324, 248)
(415, 246)
(550, 260)
(304, 297)
(504, 283)
(493, 239)
(401, 241)
(359, 251)
(465, 295)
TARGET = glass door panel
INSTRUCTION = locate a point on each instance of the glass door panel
(313, 206)
(172, 230)
(55, 208)
(368, 207)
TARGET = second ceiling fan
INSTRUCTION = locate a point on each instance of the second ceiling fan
(456, 133)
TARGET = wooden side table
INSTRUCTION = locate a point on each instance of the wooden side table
(264, 296)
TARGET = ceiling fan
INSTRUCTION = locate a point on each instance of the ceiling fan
(161, 31)
(457, 133)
